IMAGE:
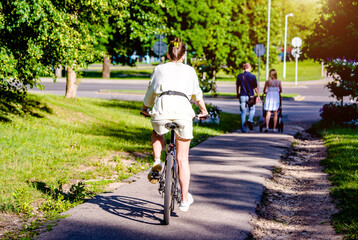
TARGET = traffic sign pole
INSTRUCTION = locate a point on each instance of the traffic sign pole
(160, 43)
(296, 43)
(259, 50)
(259, 74)
(296, 69)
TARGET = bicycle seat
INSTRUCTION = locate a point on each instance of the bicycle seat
(171, 125)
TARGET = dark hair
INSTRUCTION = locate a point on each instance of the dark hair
(273, 74)
(176, 49)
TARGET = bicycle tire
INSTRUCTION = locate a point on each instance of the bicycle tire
(168, 189)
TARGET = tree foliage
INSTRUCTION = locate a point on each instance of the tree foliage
(301, 24)
(137, 32)
(336, 31)
(38, 36)
(223, 32)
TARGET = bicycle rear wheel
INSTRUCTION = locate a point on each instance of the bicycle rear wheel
(168, 189)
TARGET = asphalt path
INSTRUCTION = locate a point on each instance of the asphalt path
(228, 173)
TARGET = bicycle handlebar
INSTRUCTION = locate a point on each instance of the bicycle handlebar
(145, 115)
(202, 117)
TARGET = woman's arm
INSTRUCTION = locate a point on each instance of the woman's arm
(202, 107)
(144, 111)
(280, 86)
(264, 91)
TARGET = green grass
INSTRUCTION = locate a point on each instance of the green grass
(63, 141)
(120, 74)
(307, 70)
(122, 91)
(342, 166)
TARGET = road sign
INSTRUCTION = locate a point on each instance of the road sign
(259, 50)
(161, 37)
(296, 42)
(159, 48)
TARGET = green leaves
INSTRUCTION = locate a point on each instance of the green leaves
(37, 36)
(336, 32)
(222, 32)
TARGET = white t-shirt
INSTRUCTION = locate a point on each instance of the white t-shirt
(176, 77)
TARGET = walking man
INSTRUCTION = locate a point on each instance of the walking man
(246, 84)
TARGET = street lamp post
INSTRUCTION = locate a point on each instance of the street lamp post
(284, 51)
(268, 40)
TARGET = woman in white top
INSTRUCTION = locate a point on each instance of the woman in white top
(178, 77)
(272, 89)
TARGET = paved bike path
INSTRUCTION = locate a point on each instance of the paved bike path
(228, 173)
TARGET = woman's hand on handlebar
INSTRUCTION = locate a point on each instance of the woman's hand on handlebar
(202, 116)
(145, 111)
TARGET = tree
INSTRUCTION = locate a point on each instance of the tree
(224, 33)
(336, 32)
(139, 27)
(38, 36)
(305, 13)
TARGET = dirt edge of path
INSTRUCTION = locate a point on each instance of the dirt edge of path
(296, 203)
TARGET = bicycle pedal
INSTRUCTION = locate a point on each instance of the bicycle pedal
(153, 177)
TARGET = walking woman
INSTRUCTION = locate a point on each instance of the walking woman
(272, 90)
(171, 86)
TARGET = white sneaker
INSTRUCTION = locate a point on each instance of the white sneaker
(275, 130)
(157, 166)
(184, 206)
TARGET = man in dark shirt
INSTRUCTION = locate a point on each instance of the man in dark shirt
(246, 84)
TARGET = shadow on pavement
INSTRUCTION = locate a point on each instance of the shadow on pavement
(131, 208)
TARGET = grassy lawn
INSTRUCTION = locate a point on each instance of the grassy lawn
(120, 74)
(307, 70)
(342, 167)
(64, 141)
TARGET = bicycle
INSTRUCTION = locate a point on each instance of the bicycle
(168, 178)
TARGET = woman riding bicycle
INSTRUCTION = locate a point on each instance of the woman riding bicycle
(171, 87)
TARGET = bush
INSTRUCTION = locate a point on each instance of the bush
(335, 112)
(345, 78)
(205, 73)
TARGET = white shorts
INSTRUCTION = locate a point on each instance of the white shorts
(185, 130)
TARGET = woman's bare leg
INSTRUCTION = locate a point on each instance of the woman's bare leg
(183, 146)
(158, 143)
(274, 119)
(268, 116)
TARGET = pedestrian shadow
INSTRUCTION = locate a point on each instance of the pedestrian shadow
(131, 208)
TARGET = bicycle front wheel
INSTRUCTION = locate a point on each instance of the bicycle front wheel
(168, 189)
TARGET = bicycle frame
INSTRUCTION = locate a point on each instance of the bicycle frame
(169, 179)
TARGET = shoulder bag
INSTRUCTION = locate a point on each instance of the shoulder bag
(252, 99)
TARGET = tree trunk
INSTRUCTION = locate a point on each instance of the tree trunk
(213, 84)
(71, 84)
(58, 71)
(106, 71)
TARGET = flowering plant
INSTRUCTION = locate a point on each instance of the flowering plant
(345, 78)
(213, 110)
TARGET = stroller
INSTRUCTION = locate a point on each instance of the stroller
(279, 116)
